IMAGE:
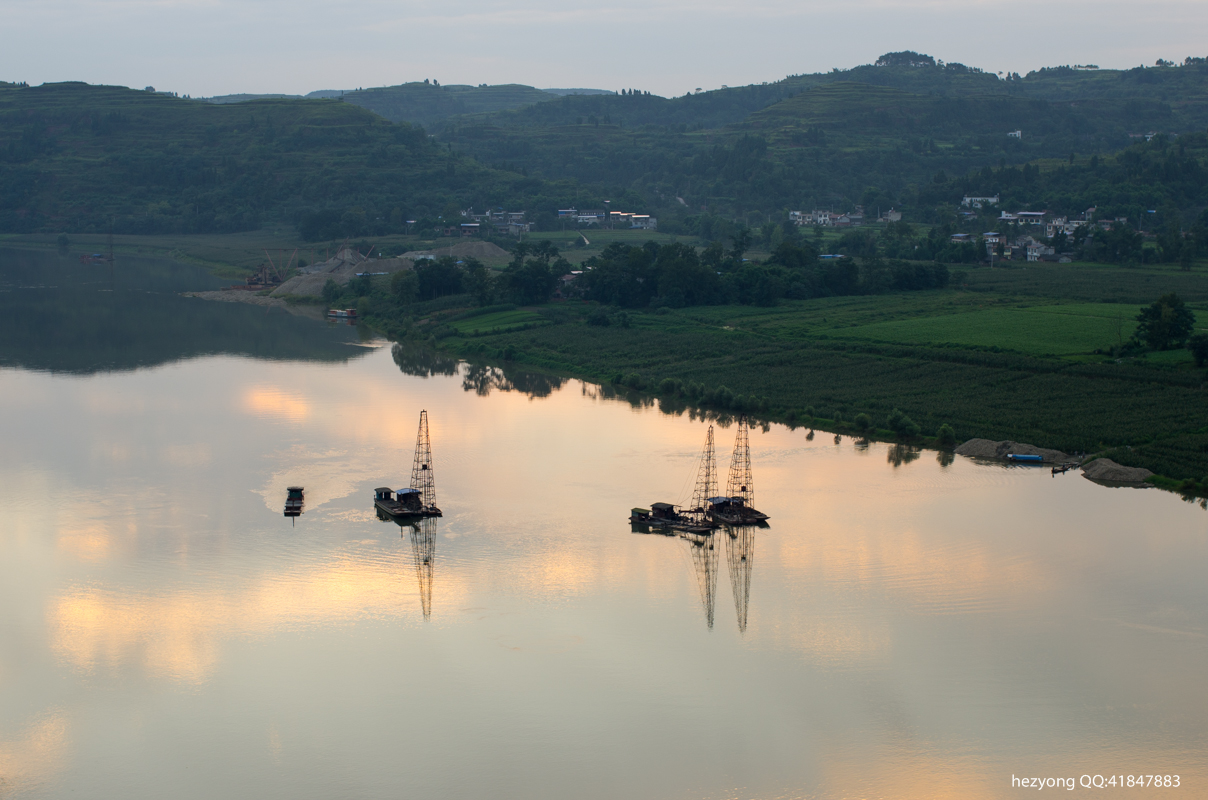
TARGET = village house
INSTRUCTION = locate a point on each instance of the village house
(977, 202)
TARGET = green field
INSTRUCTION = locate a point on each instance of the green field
(499, 322)
(1055, 330)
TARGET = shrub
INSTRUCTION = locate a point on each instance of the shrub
(668, 386)
(862, 422)
(633, 381)
(599, 317)
(945, 435)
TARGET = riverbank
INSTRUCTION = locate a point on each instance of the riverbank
(1022, 355)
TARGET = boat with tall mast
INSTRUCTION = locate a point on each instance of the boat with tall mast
(418, 500)
(695, 519)
(737, 505)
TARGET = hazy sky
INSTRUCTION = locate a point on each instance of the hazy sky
(207, 47)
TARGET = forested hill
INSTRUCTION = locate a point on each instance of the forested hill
(873, 135)
(75, 157)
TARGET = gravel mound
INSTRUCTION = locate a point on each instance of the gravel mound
(985, 448)
(341, 268)
(1104, 469)
(483, 251)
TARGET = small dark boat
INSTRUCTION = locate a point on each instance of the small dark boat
(293, 501)
(734, 511)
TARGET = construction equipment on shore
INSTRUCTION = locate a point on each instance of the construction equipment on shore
(272, 273)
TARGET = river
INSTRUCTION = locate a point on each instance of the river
(908, 625)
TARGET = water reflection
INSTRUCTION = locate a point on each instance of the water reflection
(740, 556)
(900, 454)
(422, 533)
(59, 315)
(704, 554)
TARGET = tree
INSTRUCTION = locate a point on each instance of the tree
(1165, 324)
(404, 286)
(862, 422)
(945, 435)
(903, 425)
(331, 291)
(1198, 345)
(478, 281)
(438, 278)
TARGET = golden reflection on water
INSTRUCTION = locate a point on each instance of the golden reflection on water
(181, 557)
(178, 635)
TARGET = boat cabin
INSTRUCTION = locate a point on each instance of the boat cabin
(662, 511)
(294, 493)
(728, 505)
(410, 499)
(383, 493)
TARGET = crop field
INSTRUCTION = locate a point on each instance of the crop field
(1056, 330)
(499, 322)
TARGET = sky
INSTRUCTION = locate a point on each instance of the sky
(668, 47)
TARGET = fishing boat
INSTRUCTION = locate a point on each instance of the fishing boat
(695, 519)
(737, 505)
(419, 499)
(1025, 458)
(343, 313)
(293, 501)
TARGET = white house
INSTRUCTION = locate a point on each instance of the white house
(978, 202)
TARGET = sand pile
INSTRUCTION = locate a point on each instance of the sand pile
(985, 448)
(483, 251)
(1104, 469)
(341, 268)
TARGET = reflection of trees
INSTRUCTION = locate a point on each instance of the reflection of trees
(945, 458)
(901, 454)
(415, 359)
(482, 379)
(740, 555)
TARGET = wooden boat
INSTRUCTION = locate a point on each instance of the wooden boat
(734, 511)
(665, 517)
(293, 501)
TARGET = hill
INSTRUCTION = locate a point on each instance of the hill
(75, 157)
(874, 134)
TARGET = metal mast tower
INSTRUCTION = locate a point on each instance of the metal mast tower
(422, 477)
(706, 478)
(741, 483)
(704, 559)
(423, 548)
(740, 555)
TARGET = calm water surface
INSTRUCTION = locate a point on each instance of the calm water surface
(905, 627)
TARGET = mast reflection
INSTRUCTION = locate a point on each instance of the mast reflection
(740, 555)
(422, 533)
